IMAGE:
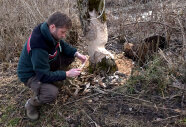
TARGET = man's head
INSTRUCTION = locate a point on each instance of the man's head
(59, 24)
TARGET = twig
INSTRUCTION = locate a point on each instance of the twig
(29, 8)
(23, 91)
(159, 119)
(182, 100)
(90, 118)
(177, 84)
(81, 67)
(111, 91)
(38, 10)
(99, 91)
(169, 62)
(81, 99)
(87, 97)
(184, 39)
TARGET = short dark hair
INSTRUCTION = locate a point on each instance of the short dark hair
(60, 20)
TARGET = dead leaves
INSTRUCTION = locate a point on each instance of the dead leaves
(90, 83)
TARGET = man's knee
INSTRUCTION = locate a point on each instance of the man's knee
(48, 93)
(53, 92)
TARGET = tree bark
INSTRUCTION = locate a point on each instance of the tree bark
(93, 21)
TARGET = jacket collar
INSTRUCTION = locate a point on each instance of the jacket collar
(46, 33)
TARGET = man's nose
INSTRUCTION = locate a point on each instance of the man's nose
(64, 35)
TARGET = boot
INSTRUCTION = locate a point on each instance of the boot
(31, 108)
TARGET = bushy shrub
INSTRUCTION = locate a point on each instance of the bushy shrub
(153, 79)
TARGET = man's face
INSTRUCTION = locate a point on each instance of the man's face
(58, 33)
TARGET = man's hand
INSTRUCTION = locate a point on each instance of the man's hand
(73, 72)
(81, 57)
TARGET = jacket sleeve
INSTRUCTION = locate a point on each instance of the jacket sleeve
(40, 62)
(67, 49)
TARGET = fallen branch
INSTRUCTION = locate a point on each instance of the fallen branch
(90, 118)
(160, 120)
(81, 99)
(88, 97)
(135, 98)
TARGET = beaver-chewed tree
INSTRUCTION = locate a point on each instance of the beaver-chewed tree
(93, 21)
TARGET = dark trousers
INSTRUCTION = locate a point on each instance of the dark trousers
(47, 92)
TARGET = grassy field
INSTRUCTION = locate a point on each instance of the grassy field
(153, 96)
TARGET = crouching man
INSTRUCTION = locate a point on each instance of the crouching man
(43, 54)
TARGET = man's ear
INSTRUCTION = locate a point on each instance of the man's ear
(52, 28)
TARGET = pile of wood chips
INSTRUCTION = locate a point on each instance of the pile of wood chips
(87, 82)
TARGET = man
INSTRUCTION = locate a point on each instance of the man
(45, 52)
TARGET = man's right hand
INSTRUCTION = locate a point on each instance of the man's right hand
(73, 72)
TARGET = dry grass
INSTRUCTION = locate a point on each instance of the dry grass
(19, 17)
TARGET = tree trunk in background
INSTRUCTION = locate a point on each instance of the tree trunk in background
(93, 21)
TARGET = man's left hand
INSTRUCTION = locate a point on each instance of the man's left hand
(81, 57)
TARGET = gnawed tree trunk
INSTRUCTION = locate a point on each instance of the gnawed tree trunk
(93, 20)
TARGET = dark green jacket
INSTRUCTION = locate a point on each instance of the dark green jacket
(39, 50)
